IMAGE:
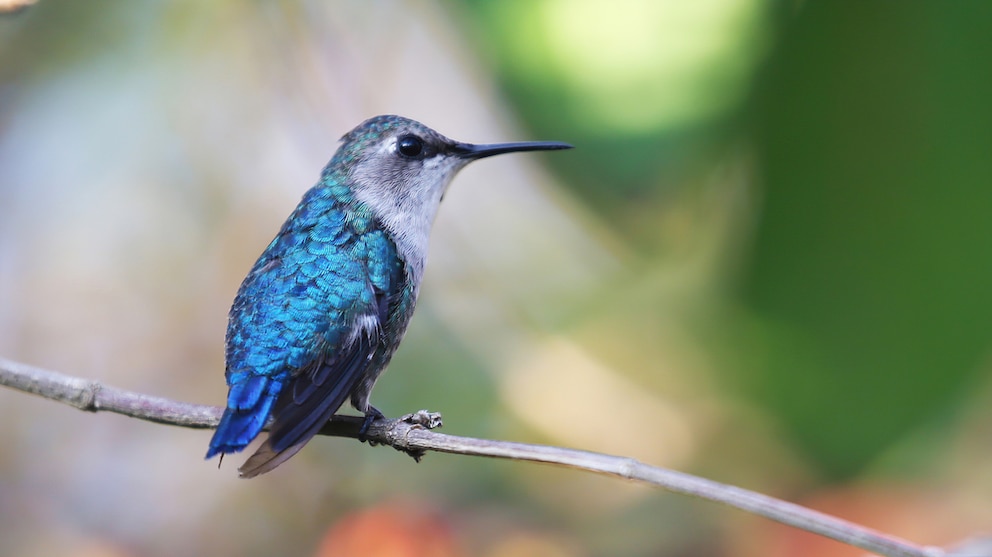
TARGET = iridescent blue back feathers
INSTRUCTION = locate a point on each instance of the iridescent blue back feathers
(323, 309)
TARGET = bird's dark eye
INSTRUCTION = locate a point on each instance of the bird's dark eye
(410, 146)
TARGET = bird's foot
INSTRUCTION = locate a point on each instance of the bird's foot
(371, 415)
(423, 418)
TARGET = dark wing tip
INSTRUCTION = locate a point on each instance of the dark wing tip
(265, 459)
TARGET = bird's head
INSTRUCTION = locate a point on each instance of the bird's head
(401, 168)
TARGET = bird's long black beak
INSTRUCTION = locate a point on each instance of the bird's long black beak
(470, 151)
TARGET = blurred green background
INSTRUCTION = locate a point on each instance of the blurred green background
(765, 262)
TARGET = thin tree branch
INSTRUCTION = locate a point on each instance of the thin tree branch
(415, 439)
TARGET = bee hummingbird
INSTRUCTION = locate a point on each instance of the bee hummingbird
(321, 312)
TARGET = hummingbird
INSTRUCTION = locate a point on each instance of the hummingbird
(324, 308)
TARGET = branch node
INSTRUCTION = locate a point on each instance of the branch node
(628, 469)
(89, 397)
(423, 418)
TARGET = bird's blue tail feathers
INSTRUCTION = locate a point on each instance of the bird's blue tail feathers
(248, 405)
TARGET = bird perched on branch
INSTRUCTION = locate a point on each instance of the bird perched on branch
(323, 309)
